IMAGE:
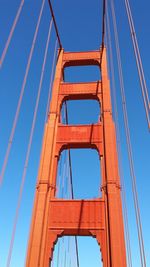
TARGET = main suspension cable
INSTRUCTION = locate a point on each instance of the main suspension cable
(11, 33)
(138, 62)
(109, 45)
(28, 149)
(103, 22)
(11, 137)
(129, 147)
(103, 30)
(55, 24)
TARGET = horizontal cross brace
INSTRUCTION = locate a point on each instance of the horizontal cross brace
(76, 216)
(80, 136)
(81, 58)
(81, 90)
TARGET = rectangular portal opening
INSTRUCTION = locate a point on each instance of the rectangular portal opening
(79, 74)
(81, 112)
(84, 177)
(65, 252)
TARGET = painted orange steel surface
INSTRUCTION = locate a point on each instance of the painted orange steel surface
(100, 218)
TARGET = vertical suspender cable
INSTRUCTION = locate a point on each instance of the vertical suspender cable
(21, 96)
(71, 182)
(49, 91)
(138, 62)
(11, 33)
(65, 259)
(58, 254)
(28, 150)
(127, 131)
(109, 45)
(61, 241)
(59, 180)
(63, 174)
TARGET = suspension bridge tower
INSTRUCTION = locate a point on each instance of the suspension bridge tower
(100, 218)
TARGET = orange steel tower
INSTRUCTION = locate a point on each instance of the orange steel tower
(102, 217)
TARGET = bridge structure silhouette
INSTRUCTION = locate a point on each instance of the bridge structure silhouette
(57, 214)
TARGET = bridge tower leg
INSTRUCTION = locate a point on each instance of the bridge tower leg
(100, 218)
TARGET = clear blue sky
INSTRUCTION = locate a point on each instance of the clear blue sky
(79, 24)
